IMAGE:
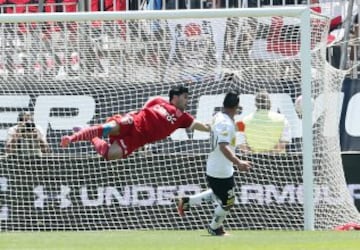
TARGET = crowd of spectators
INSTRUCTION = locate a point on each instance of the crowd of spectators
(58, 55)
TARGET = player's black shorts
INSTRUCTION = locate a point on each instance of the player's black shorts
(223, 188)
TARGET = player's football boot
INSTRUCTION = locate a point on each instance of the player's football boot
(216, 232)
(65, 141)
(183, 205)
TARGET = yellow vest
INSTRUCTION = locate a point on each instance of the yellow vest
(263, 130)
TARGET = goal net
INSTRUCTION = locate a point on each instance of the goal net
(77, 69)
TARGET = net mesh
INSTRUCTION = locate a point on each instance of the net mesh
(78, 73)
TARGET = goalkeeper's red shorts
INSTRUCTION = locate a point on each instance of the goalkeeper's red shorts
(129, 139)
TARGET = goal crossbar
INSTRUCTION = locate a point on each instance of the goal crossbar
(151, 14)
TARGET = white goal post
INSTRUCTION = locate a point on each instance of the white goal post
(77, 69)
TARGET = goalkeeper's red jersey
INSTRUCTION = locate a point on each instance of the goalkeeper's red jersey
(155, 121)
(158, 119)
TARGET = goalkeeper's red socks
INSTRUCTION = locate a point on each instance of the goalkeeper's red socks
(87, 134)
(84, 134)
(101, 147)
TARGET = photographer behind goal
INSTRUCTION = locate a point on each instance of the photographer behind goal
(26, 138)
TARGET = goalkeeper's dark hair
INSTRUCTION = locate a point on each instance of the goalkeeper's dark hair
(231, 99)
(177, 90)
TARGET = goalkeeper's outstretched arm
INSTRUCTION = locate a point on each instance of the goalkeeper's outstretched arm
(197, 125)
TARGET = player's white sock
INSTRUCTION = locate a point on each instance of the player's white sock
(218, 217)
(196, 199)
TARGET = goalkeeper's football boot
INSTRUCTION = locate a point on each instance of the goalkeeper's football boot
(65, 141)
(183, 205)
(216, 232)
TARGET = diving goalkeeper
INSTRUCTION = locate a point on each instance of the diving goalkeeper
(155, 121)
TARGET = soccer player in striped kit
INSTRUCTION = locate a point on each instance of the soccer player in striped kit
(220, 167)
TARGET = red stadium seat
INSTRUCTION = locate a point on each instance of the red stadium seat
(108, 5)
(61, 6)
(19, 6)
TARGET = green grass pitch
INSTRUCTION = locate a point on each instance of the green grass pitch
(176, 240)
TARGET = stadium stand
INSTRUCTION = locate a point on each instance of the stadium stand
(335, 9)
